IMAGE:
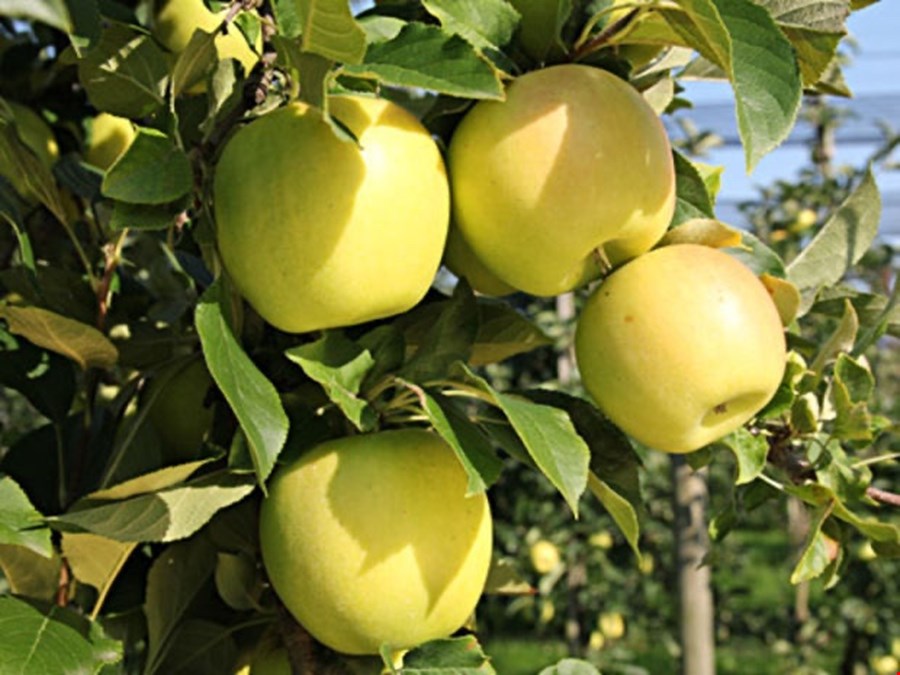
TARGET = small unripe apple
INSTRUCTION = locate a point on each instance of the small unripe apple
(36, 134)
(544, 556)
(611, 624)
(175, 21)
(318, 231)
(178, 409)
(573, 160)
(109, 137)
(680, 346)
(370, 540)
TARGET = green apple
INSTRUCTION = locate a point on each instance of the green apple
(175, 21)
(680, 346)
(572, 161)
(317, 231)
(36, 134)
(109, 137)
(178, 410)
(371, 540)
(462, 261)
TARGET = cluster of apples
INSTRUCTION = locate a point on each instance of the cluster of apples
(573, 172)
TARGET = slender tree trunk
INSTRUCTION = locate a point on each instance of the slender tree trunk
(694, 589)
(565, 360)
(798, 528)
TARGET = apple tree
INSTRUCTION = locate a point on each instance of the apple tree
(223, 303)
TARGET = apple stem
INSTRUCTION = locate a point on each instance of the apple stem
(602, 261)
(600, 39)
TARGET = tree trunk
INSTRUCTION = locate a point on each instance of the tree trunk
(694, 590)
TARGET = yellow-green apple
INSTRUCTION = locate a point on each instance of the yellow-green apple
(462, 261)
(109, 136)
(175, 21)
(36, 134)
(572, 161)
(178, 408)
(371, 540)
(317, 231)
(680, 346)
(544, 556)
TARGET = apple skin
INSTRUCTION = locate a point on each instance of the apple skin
(462, 261)
(177, 411)
(319, 232)
(110, 136)
(175, 21)
(680, 347)
(36, 134)
(572, 160)
(370, 540)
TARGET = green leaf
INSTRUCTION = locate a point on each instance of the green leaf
(613, 458)
(449, 656)
(471, 446)
(841, 340)
(44, 378)
(744, 40)
(35, 176)
(20, 523)
(484, 23)
(758, 257)
(150, 482)
(136, 178)
(851, 387)
(885, 534)
(388, 348)
(41, 640)
(449, 339)
(503, 332)
(195, 62)
(814, 28)
(785, 295)
(549, 436)
(235, 579)
(814, 559)
(750, 453)
(287, 16)
(175, 579)
(147, 216)
(329, 29)
(428, 57)
(805, 411)
(692, 198)
(840, 243)
(86, 24)
(200, 647)
(84, 344)
(855, 376)
(340, 366)
(621, 510)
(252, 397)
(30, 574)
(125, 73)
(787, 391)
(95, 560)
(571, 667)
(167, 515)
(51, 12)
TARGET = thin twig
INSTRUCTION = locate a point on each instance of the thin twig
(883, 496)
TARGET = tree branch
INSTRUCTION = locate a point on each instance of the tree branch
(883, 496)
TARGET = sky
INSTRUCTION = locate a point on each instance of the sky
(871, 78)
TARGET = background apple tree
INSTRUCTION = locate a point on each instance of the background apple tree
(119, 555)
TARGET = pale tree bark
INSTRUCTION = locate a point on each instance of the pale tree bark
(694, 590)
